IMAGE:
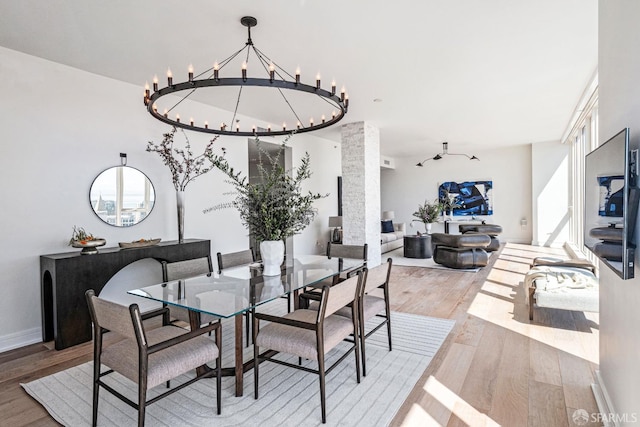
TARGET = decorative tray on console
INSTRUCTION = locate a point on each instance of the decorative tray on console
(139, 243)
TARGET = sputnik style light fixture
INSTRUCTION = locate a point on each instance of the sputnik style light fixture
(275, 79)
(445, 152)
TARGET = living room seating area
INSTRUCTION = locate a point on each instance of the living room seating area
(391, 236)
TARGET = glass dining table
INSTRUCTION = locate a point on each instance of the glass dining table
(238, 290)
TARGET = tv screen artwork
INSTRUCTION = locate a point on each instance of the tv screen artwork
(611, 195)
(472, 197)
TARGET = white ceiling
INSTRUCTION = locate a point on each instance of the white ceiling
(479, 74)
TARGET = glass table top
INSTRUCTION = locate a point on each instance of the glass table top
(239, 289)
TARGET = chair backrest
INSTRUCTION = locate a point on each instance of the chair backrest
(188, 268)
(347, 251)
(378, 276)
(233, 259)
(342, 294)
(113, 317)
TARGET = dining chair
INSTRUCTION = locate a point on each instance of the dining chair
(337, 250)
(148, 357)
(182, 270)
(234, 259)
(371, 306)
(311, 334)
(347, 251)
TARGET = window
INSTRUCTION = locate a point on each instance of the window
(583, 138)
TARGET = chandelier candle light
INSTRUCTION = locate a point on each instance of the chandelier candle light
(275, 78)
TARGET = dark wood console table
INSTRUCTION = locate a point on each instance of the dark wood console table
(66, 276)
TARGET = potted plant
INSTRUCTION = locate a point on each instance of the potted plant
(274, 206)
(448, 203)
(428, 213)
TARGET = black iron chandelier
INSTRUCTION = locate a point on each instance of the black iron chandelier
(275, 79)
(445, 152)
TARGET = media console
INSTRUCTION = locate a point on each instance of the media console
(65, 277)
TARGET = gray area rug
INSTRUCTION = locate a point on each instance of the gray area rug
(288, 397)
(397, 255)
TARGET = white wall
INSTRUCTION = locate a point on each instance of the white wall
(60, 127)
(619, 107)
(550, 188)
(406, 186)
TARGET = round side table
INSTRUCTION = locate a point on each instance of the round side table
(417, 246)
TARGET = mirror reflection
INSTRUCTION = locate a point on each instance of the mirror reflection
(122, 196)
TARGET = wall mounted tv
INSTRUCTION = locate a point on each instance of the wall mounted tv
(611, 204)
(472, 197)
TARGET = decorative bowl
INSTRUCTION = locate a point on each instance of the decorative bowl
(139, 243)
(89, 247)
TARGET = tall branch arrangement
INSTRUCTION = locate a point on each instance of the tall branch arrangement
(183, 165)
(273, 207)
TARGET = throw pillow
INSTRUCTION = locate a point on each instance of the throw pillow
(387, 226)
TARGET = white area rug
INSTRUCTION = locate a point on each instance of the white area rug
(398, 259)
(288, 397)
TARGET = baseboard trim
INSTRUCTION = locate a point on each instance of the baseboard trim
(20, 339)
(603, 400)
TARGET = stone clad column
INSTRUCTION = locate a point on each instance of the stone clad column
(361, 187)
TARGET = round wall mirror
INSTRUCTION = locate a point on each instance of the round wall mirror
(122, 196)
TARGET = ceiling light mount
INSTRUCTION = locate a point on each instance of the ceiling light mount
(445, 152)
(275, 78)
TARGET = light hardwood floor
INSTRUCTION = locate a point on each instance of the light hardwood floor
(495, 368)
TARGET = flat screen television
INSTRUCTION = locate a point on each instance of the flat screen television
(611, 204)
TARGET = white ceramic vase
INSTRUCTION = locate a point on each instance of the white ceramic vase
(272, 287)
(272, 253)
(428, 227)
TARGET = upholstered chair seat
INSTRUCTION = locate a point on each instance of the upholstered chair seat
(370, 307)
(460, 250)
(164, 365)
(488, 229)
(302, 342)
(311, 334)
(491, 230)
(610, 247)
(607, 234)
(148, 357)
(460, 240)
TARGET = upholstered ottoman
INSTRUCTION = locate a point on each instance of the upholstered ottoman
(491, 230)
(460, 250)
(610, 246)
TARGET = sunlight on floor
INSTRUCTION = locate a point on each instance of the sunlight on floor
(501, 302)
(447, 398)
(417, 416)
